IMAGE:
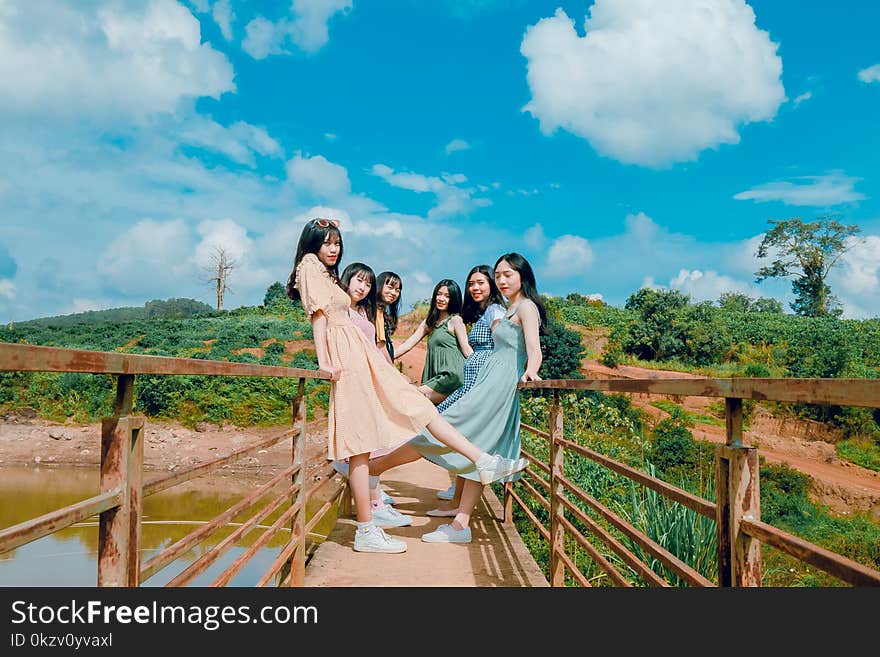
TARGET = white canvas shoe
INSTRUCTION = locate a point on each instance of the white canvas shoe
(497, 467)
(376, 540)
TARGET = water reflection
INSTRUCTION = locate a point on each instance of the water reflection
(69, 557)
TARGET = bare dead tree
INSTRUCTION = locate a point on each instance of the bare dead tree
(218, 272)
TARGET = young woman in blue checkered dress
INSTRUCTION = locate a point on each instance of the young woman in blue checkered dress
(482, 308)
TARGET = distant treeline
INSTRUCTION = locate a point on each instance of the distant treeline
(155, 309)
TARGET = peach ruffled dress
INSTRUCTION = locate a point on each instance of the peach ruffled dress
(372, 405)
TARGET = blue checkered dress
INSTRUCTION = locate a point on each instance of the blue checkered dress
(480, 340)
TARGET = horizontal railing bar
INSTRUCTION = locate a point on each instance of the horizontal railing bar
(693, 502)
(540, 480)
(835, 564)
(167, 481)
(203, 562)
(37, 358)
(537, 432)
(628, 557)
(534, 491)
(597, 556)
(226, 576)
(537, 523)
(841, 392)
(535, 461)
(679, 567)
(169, 554)
(49, 523)
(577, 574)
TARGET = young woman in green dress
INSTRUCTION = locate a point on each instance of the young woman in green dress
(447, 343)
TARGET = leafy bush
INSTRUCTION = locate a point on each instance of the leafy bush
(562, 351)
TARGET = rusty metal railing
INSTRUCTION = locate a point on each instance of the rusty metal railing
(122, 488)
(736, 510)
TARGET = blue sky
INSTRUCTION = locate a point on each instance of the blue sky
(615, 143)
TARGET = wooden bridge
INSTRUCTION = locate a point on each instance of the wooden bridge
(497, 557)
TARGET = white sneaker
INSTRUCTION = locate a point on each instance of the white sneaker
(497, 467)
(376, 540)
(388, 516)
(447, 494)
(442, 513)
(448, 534)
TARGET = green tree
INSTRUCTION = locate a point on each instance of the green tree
(767, 305)
(735, 302)
(274, 294)
(807, 251)
(743, 303)
(562, 351)
(654, 334)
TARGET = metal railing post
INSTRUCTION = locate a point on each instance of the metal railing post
(557, 510)
(737, 498)
(122, 458)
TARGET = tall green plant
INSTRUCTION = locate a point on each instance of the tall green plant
(688, 535)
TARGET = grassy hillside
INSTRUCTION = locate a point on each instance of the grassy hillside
(276, 336)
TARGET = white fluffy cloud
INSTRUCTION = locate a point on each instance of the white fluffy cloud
(240, 141)
(709, 285)
(452, 198)
(569, 255)
(7, 289)
(306, 27)
(147, 259)
(653, 83)
(123, 62)
(859, 274)
(870, 74)
(223, 16)
(318, 176)
(801, 98)
(457, 145)
(822, 191)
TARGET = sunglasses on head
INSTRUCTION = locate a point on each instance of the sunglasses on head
(325, 223)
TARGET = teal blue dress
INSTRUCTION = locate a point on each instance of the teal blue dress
(488, 413)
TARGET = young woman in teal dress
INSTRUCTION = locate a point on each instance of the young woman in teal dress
(489, 412)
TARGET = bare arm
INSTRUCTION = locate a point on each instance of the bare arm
(411, 341)
(319, 334)
(457, 326)
(530, 321)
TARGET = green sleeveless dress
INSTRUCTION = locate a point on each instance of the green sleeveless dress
(444, 362)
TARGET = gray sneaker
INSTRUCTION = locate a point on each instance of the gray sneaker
(448, 534)
(447, 494)
(388, 516)
(497, 467)
(376, 540)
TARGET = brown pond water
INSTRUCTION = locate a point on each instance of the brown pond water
(69, 557)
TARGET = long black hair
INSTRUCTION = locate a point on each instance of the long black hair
(310, 240)
(391, 310)
(454, 306)
(471, 311)
(527, 283)
(368, 303)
